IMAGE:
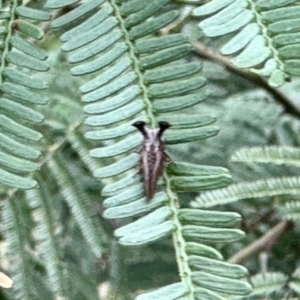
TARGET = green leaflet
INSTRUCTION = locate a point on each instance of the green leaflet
(118, 148)
(232, 25)
(292, 67)
(186, 169)
(287, 39)
(171, 292)
(131, 7)
(25, 80)
(278, 14)
(175, 88)
(136, 207)
(172, 72)
(203, 234)
(183, 121)
(16, 181)
(111, 133)
(118, 115)
(239, 41)
(76, 13)
(125, 96)
(55, 4)
(156, 217)
(202, 250)
(30, 30)
(284, 26)
(148, 234)
(23, 93)
(14, 147)
(115, 187)
(204, 294)
(266, 4)
(96, 46)
(211, 7)
(216, 267)
(290, 51)
(110, 88)
(142, 15)
(24, 60)
(119, 67)
(119, 167)
(164, 56)
(100, 62)
(17, 164)
(30, 13)
(128, 195)
(91, 22)
(255, 53)
(19, 130)
(208, 218)
(21, 111)
(148, 45)
(199, 183)
(221, 284)
(181, 102)
(90, 35)
(28, 48)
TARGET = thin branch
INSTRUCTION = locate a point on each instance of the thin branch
(265, 243)
(209, 54)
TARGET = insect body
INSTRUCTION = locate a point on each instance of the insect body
(152, 155)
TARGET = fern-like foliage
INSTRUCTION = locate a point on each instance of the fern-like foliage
(20, 94)
(263, 35)
(133, 74)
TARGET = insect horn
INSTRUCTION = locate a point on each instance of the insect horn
(163, 125)
(140, 125)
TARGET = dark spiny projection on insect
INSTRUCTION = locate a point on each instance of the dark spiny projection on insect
(152, 155)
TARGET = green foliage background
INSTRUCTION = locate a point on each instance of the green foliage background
(75, 75)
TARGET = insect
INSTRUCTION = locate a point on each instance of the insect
(152, 154)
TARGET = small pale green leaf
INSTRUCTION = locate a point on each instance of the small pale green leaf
(211, 7)
(19, 130)
(239, 41)
(216, 267)
(174, 88)
(55, 4)
(101, 61)
(76, 13)
(14, 147)
(204, 294)
(114, 102)
(164, 56)
(136, 207)
(21, 111)
(117, 186)
(234, 24)
(204, 234)
(267, 4)
(16, 181)
(148, 45)
(111, 88)
(24, 79)
(154, 218)
(284, 13)
(31, 13)
(24, 60)
(286, 39)
(171, 292)
(118, 148)
(186, 169)
(221, 284)
(177, 136)
(292, 67)
(117, 115)
(202, 250)
(178, 103)
(23, 93)
(30, 29)
(118, 167)
(28, 48)
(148, 235)
(208, 218)
(255, 53)
(130, 194)
(284, 26)
(112, 72)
